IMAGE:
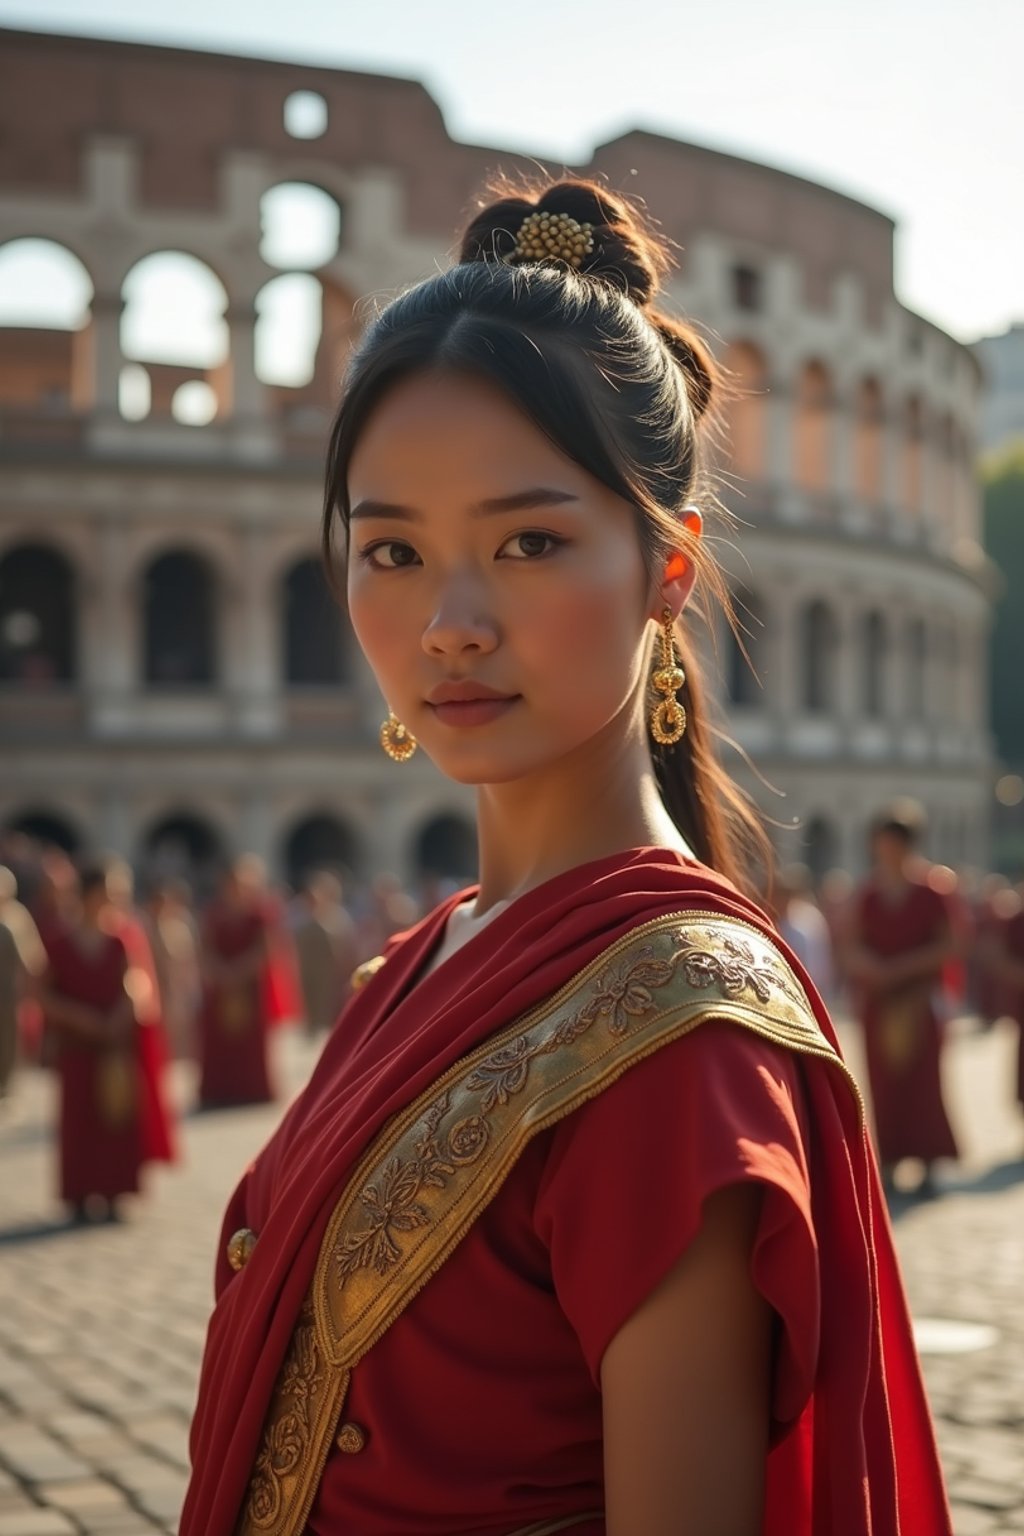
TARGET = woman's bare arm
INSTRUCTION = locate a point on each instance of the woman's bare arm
(686, 1385)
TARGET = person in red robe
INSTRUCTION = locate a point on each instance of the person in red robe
(1007, 967)
(159, 1140)
(902, 944)
(576, 1224)
(90, 1015)
(234, 1018)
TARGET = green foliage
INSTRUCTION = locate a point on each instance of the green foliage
(1004, 541)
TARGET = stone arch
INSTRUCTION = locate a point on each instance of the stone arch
(320, 840)
(874, 652)
(46, 295)
(748, 411)
(174, 321)
(48, 826)
(445, 847)
(183, 843)
(819, 636)
(301, 225)
(813, 427)
(289, 326)
(179, 606)
(316, 652)
(745, 663)
(38, 606)
(868, 430)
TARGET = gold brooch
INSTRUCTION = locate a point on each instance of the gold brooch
(553, 237)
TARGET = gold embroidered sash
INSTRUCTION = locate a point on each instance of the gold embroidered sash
(432, 1170)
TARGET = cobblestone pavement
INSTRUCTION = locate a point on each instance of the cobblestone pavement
(101, 1329)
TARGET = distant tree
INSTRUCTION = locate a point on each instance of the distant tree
(1004, 543)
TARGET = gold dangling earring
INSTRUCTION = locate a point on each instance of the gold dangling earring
(398, 743)
(668, 718)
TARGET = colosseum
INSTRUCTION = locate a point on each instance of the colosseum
(174, 682)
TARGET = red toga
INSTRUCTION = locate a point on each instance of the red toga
(902, 1032)
(479, 1409)
(233, 1019)
(100, 1124)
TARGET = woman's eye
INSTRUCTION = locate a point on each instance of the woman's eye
(390, 554)
(529, 546)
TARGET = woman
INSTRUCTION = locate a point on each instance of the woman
(575, 1225)
(902, 943)
(89, 1013)
(234, 1019)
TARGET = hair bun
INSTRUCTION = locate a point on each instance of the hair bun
(627, 251)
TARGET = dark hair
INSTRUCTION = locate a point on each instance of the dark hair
(623, 389)
(92, 876)
(904, 819)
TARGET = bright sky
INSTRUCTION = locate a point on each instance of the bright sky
(911, 105)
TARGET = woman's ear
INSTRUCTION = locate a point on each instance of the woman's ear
(680, 573)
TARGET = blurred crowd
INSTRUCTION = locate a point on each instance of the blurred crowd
(105, 985)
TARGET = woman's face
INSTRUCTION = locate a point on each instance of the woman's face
(486, 566)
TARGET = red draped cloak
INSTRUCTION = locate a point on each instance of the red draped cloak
(480, 1407)
(234, 1017)
(100, 1122)
(902, 1030)
(1013, 940)
(159, 1143)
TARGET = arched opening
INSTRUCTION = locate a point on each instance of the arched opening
(913, 454)
(174, 322)
(820, 847)
(748, 424)
(305, 115)
(744, 663)
(818, 647)
(289, 325)
(874, 644)
(301, 226)
(37, 618)
(320, 842)
(45, 297)
(813, 428)
(178, 603)
(868, 442)
(446, 848)
(314, 629)
(917, 669)
(183, 845)
(48, 828)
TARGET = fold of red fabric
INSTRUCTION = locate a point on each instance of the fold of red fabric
(861, 1459)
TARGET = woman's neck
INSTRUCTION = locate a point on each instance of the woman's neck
(592, 803)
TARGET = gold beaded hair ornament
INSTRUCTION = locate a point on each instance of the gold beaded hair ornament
(553, 237)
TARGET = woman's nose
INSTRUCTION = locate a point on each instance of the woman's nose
(460, 623)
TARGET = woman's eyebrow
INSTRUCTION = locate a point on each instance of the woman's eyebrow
(536, 496)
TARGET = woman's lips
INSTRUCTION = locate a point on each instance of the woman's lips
(473, 711)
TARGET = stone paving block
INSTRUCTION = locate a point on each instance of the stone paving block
(96, 1497)
(163, 1501)
(969, 1520)
(36, 1458)
(36, 1522)
(989, 1495)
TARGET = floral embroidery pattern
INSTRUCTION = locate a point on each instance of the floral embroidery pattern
(734, 966)
(392, 1204)
(287, 1434)
(623, 993)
